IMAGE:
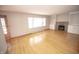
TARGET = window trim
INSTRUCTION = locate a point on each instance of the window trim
(33, 19)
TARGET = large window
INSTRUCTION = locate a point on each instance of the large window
(34, 22)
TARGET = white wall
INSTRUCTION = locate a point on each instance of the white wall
(62, 17)
(3, 45)
(18, 23)
(73, 29)
(52, 22)
(73, 23)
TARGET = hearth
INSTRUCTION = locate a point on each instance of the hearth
(61, 27)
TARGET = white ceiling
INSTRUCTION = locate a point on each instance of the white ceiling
(40, 9)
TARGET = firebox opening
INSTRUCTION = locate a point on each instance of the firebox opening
(61, 27)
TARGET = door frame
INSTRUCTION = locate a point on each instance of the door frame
(7, 36)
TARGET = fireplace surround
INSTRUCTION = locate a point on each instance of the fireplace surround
(63, 26)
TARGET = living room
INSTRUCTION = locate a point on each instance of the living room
(27, 29)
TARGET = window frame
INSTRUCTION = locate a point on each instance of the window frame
(33, 21)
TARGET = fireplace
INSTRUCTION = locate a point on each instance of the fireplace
(61, 27)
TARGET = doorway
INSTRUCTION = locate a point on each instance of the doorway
(5, 28)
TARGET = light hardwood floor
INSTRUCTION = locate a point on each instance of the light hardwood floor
(45, 42)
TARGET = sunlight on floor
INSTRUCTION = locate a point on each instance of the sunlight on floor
(36, 40)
